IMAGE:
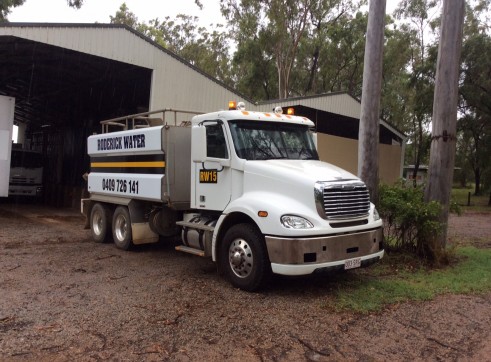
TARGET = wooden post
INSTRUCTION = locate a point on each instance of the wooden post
(368, 135)
(444, 122)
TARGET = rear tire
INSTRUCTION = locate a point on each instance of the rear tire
(121, 227)
(244, 257)
(100, 217)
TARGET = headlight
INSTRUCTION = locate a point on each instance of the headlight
(376, 215)
(295, 222)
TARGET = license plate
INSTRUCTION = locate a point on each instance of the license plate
(352, 263)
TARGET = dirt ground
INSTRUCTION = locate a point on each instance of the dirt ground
(65, 298)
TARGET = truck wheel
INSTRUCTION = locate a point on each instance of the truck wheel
(122, 228)
(99, 223)
(244, 257)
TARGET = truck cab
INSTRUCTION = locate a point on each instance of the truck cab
(26, 173)
(244, 188)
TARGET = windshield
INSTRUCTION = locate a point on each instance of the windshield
(255, 140)
(26, 159)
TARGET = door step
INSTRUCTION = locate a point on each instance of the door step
(194, 225)
(187, 249)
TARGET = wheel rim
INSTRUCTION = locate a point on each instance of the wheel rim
(121, 227)
(97, 223)
(240, 258)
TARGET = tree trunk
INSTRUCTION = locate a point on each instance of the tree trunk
(477, 179)
(370, 101)
(281, 78)
(313, 70)
(419, 151)
(444, 127)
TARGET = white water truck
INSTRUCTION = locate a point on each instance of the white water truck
(246, 189)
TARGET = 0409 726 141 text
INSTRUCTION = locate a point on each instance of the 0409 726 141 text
(118, 185)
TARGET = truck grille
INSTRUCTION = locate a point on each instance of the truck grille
(343, 201)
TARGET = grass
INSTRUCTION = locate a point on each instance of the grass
(477, 204)
(401, 278)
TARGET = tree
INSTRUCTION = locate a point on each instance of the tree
(124, 16)
(475, 144)
(257, 69)
(75, 3)
(442, 153)
(284, 25)
(325, 18)
(475, 90)
(6, 6)
(302, 41)
(396, 92)
(370, 101)
(417, 18)
(340, 60)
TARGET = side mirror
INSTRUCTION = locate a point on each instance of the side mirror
(198, 144)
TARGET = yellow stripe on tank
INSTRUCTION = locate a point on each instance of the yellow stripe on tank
(155, 164)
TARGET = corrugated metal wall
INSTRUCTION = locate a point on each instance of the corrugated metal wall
(343, 152)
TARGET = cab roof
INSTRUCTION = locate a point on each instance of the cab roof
(253, 116)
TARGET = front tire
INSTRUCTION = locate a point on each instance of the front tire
(244, 258)
(100, 217)
(122, 235)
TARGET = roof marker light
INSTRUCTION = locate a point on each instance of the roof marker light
(278, 110)
(241, 106)
(232, 105)
(290, 111)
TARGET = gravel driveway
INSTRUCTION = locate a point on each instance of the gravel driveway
(65, 298)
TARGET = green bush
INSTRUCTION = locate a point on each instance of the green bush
(410, 223)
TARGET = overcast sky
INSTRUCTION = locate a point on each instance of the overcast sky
(57, 11)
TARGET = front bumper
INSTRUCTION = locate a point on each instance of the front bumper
(302, 256)
(26, 190)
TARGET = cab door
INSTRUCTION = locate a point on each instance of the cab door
(214, 176)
